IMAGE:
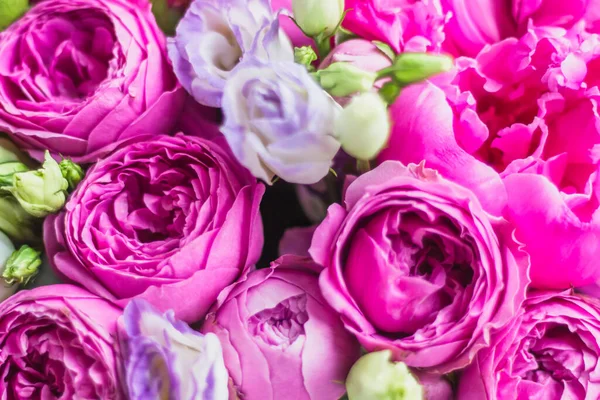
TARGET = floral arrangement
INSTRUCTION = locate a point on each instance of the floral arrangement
(299, 199)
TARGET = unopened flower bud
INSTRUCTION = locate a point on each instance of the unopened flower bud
(343, 79)
(72, 172)
(6, 250)
(305, 55)
(40, 192)
(409, 68)
(15, 221)
(363, 127)
(22, 266)
(11, 10)
(316, 17)
(374, 376)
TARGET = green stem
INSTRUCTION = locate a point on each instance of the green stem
(323, 46)
(363, 166)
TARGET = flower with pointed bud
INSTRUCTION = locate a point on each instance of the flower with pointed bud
(305, 56)
(317, 17)
(342, 79)
(40, 192)
(409, 68)
(374, 376)
(11, 10)
(72, 172)
(15, 221)
(22, 266)
(6, 249)
(363, 127)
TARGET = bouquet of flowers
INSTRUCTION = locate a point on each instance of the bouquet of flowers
(299, 199)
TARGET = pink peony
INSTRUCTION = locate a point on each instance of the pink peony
(280, 339)
(550, 351)
(172, 220)
(58, 342)
(406, 25)
(519, 126)
(414, 265)
(79, 76)
(476, 23)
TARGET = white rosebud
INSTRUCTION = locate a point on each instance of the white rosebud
(363, 127)
(315, 17)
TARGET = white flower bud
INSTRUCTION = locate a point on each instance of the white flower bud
(363, 127)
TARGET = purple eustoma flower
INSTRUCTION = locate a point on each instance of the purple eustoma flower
(165, 358)
(279, 121)
(214, 36)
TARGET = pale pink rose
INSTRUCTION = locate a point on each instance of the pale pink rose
(519, 126)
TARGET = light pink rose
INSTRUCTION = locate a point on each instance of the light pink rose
(416, 266)
(280, 338)
(359, 53)
(406, 25)
(549, 351)
(519, 126)
(476, 23)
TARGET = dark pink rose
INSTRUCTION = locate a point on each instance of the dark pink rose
(79, 76)
(280, 338)
(58, 342)
(519, 126)
(550, 351)
(416, 266)
(406, 25)
(172, 220)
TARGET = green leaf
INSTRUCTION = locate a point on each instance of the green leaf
(385, 49)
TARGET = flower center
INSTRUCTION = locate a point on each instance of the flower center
(70, 56)
(403, 269)
(282, 324)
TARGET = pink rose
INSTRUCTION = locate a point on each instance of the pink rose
(280, 339)
(550, 351)
(79, 76)
(476, 23)
(58, 342)
(406, 25)
(414, 265)
(359, 53)
(519, 126)
(172, 220)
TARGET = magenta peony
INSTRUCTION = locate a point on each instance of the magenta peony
(280, 338)
(172, 220)
(414, 265)
(476, 23)
(58, 342)
(79, 76)
(519, 126)
(550, 351)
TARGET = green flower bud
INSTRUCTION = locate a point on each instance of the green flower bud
(72, 172)
(363, 127)
(411, 68)
(305, 56)
(22, 266)
(317, 17)
(342, 79)
(40, 192)
(375, 377)
(11, 10)
(15, 221)
(8, 169)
